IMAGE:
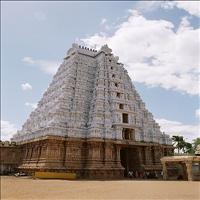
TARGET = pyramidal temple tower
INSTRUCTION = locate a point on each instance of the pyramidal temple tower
(91, 121)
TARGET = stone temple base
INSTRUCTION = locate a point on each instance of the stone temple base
(89, 159)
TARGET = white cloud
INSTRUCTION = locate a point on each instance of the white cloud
(198, 113)
(26, 86)
(105, 25)
(48, 67)
(7, 130)
(154, 53)
(32, 105)
(28, 60)
(103, 21)
(177, 128)
(192, 7)
(40, 16)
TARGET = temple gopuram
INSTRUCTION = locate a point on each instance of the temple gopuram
(91, 121)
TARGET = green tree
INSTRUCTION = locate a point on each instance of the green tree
(195, 143)
(178, 142)
(188, 148)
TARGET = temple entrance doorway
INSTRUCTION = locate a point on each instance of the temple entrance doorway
(129, 159)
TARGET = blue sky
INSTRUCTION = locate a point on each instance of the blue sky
(157, 41)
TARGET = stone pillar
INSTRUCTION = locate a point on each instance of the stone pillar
(108, 153)
(189, 170)
(147, 151)
(94, 156)
(118, 158)
(153, 156)
(157, 154)
(143, 155)
(118, 153)
(164, 171)
(140, 159)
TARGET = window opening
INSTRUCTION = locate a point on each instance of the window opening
(121, 106)
(125, 118)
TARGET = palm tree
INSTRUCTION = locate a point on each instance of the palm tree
(178, 142)
(188, 148)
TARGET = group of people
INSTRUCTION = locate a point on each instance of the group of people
(144, 174)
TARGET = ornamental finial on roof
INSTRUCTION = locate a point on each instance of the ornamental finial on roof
(106, 49)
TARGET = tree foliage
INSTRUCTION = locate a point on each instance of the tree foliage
(178, 142)
(195, 143)
(184, 147)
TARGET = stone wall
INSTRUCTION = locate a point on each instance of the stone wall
(91, 158)
(11, 157)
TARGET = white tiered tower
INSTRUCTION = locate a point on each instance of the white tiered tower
(92, 96)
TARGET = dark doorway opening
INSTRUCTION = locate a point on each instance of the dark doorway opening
(128, 134)
(129, 160)
(121, 106)
(124, 117)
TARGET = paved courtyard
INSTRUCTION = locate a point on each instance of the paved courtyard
(27, 188)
